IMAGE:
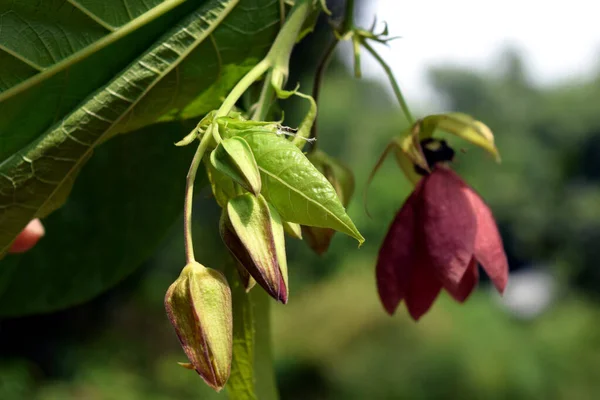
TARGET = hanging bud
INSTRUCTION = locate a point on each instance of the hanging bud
(234, 157)
(253, 232)
(198, 305)
(342, 180)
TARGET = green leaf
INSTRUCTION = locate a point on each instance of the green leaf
(69, 68)
(233, 157)
(299, 192)
(127, 197)
(342, 180)
(339, 175)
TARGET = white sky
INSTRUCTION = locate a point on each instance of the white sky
(559, 39)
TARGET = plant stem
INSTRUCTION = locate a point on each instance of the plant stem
(264, 101)
(390, 75)
(266, 384)
(189, 197)
(347, 26)
(316, 91)
(241, 382)
(348, 23)
(281, 51)
(240, 88)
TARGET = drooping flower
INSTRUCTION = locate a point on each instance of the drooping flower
(437, 239)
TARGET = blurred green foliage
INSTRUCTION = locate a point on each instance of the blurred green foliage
(333, 339)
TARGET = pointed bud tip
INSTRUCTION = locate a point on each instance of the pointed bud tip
(186, 365)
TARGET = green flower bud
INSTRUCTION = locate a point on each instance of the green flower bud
(198, 305)
(253, 232)
(342, 180)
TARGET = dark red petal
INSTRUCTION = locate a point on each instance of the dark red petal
(449, 226)
(467, 284)
(489, 250)
(424, 289)
(396, 255)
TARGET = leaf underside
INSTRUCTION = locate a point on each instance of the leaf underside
(111, 223)
(50, 80)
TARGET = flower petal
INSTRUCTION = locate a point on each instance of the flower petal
(397, 254)
(489, 250)
(424, 289)
(449, 226)
(467, 284)
(28, 237)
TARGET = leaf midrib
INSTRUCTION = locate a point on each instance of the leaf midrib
(226, 10)
(306, 197)
(110, 38)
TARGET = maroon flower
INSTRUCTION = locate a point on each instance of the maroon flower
(443, 230)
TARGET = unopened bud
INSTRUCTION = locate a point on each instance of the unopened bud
(198, 305)
(253, 232)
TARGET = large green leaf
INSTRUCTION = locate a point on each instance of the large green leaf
(298, 191)
(127, 197)
(55, 104)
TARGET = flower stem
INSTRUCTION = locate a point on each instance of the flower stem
(242, 86)
(266, 96)
(395, 86)
(189, 198)
(346, 26)
(316, 91)
(348, 23)
(276, 58)
(281, 51)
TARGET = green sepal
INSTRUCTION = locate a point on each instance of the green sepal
(223, 187)
(463, 126)
(233, 157)
(292, 230)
